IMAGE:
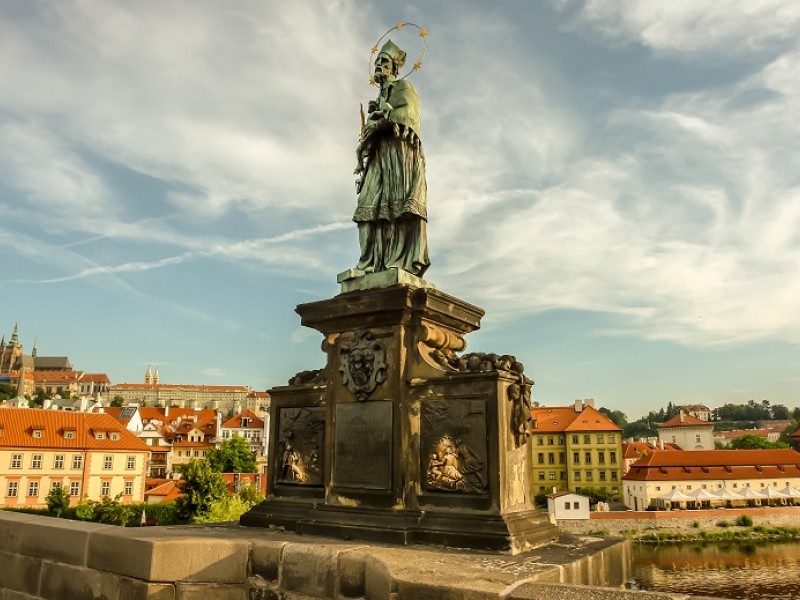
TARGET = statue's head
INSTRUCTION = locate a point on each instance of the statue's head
(389, 61)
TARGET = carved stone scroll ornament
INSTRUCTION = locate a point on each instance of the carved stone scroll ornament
(308, 377)
(362, 365)
(454, 467)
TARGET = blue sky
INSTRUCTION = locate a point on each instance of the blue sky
(616, 182)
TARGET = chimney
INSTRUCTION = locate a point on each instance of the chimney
(682, 416)
(578, 406)
(661, 443)
(588, 402)
(166, 411)
(555, 489)
(47, 403)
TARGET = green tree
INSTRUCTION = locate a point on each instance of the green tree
(7, 391)
(233, 456)
(595, 495)
(201, 488)
(619, 418)
(57, 501)
(755, 442)
(786, 435)
(117, 400)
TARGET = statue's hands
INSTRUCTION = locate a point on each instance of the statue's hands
(372, 106)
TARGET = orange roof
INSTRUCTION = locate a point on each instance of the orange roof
(560, 419)
(159, 413)
(167, 491)
(716, 464)
(732, 434)
(56, 376)
(98, 377)
(258, 395)
(685, 421)
(17, 425)
(192, 445)
(236, 421)
(639, 449)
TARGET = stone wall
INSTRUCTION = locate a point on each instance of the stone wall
(616, 523)
(53, 559)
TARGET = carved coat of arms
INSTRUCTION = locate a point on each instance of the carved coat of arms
(363, 365)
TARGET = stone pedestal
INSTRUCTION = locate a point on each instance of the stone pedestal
(397, 438)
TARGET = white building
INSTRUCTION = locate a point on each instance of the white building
(564, 506)
(687, 432)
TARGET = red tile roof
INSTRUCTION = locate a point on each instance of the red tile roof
(184, 387)
(97, 377)
(167, 491)
(236, 421)
(561, 419)
(17, 425)
(716, 464)
(158, 413)
(685, 421)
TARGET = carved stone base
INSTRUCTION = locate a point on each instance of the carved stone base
(398, 438)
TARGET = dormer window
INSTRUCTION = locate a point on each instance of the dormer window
(69, 434)
(114, 435)
(37, 433)
(99, 435)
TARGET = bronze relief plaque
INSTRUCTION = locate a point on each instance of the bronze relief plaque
(454, 446)
(363, 448)
(301, 439)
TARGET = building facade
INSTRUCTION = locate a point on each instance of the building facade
(659, 473)
(574, 448)
(89, 455)
(687, 432)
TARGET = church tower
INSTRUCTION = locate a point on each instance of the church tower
(11, 353)
(156, 378)
(148, 377)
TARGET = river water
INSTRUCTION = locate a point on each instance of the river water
(730, 570)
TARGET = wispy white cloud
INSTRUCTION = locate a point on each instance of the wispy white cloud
(129, 267)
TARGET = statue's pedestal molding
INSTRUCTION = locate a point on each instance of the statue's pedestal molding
(396, 439)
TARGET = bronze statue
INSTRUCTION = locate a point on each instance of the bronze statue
(392, 192)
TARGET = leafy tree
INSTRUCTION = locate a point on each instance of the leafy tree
(595, 494)
(233, 456)
(57, 501)
(786, 435)
(617, 417)
(639, 429)
(753, 442)
(117, 400)
(250, 494)
(7, 391)
(780, 413)
(226, 509)
(112, 512)
(201, 487)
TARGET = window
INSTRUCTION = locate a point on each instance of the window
(540, 457)
(100, 435)
(574, 439)
(540, 440)
(74, 488)
(36, 461)
(131, 463)
(612, 457)
(551, 458)
(601, 458)
(108, 462)
(562, 458)
(587, 439)
(13, 489)
(33, 488)
(541, 475)
(697, 438)
(552, 475)
(37, 433)
(566, 505)
(658, 488)
(550, 440)
(613, 475)
(16, 461)
(69, 434)
(128, 491)
(560, 438)
(58, 461)
(610, 438)
(577, 475)
(105, 488)
(588, 457)
(563, 475)
(77, 461)
(575, 505)
(600, 438)
(576, 458)
(589, 476)
(55, 484)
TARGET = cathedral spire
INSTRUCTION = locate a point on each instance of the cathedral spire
(15, 336)
(34, 352)
(148, 377)
(156, 377)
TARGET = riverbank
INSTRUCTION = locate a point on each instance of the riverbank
(744, 524)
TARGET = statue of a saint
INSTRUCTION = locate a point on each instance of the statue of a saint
(392, 191)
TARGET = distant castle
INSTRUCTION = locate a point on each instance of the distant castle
(13, 358)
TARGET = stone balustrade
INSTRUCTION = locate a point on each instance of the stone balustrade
(55, 559)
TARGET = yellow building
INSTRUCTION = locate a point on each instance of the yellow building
(89, 455)
(576, 447)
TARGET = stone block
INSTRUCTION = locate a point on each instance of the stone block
(309, 569)
(194, 591)
(265, 559)
(378, 581)
(12, 595)
(12, 526)
(69, 581)
(167, 557)
(133, 589)
(351, 571)
(59, 540)
(20, 573)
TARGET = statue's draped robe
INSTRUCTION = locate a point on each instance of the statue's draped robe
(391, 212)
